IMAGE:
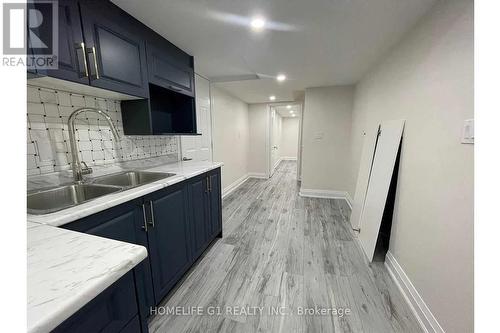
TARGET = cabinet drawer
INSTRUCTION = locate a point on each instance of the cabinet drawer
(110, 312)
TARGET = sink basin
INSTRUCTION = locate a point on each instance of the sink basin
(55, 199)
(131, 178)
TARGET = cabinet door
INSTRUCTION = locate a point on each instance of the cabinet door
(199, 215)
(124, 223)
(115, 47)
(71, 54)
(215, 202)
(110, 311)
(168, 236)
(166, 72)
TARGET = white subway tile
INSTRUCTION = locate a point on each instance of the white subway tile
(33, 95)
(48, 96)
(35, 108)
(51, 110)
(94, 134)
(77, 100)
(63, 98)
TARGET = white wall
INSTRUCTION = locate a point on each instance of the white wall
(428, 80)
(289, 137)
(326, 138)
(230, 135)
(257, 159)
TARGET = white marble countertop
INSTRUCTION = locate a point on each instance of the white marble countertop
(182, 171)
(67, 269)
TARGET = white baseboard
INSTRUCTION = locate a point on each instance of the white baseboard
(257, 175)
(229, 189)
(329, 194)
(288, 158)
(421, 311)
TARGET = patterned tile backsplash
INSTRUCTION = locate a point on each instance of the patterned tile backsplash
(48, 137)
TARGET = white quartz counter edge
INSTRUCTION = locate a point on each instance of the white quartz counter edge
(182, 170)
(67, 269)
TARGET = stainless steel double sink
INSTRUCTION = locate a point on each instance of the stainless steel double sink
(51, 200)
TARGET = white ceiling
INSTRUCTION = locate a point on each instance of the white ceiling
(293, 111)
(314, 42)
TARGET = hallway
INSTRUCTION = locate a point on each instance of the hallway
(285, 252)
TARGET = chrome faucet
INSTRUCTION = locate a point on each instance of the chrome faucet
(76, 165)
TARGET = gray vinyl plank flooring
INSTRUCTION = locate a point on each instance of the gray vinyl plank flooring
(281, 253)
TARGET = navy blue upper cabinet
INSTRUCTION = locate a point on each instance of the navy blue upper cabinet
(71, 54)
(168, 235)
(168, 70)
(115, 48)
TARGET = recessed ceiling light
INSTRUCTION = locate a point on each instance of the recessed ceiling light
(257, 23)
(293, 115)
(281, 77)
(288, 107)
(291, 112)
(272, 98)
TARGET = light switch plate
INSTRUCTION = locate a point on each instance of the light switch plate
(468, 131)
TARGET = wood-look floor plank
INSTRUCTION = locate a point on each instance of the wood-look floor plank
(282, 252)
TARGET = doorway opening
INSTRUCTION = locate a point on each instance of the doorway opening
(284, 135)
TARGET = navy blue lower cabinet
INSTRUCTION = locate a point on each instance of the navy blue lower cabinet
(205, 211)
(199, 215)
(112, 311)
(124, 223)
(215, 203)
(175, 224)
(168, 236)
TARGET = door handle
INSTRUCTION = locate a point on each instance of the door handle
(145, 226)
(82, 46)
(186, 159)
(152, 223)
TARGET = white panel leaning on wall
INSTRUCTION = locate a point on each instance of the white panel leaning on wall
(48, 139)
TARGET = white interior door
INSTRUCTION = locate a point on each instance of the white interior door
(275, 139)
(378, 187)
(199, 147)
(299, 145)
(365, 168)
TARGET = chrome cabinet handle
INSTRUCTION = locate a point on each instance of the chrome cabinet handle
(82, 46)
(95, 63)
(145, 226)
(206, 184)
(210, 184)
(152, 223)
